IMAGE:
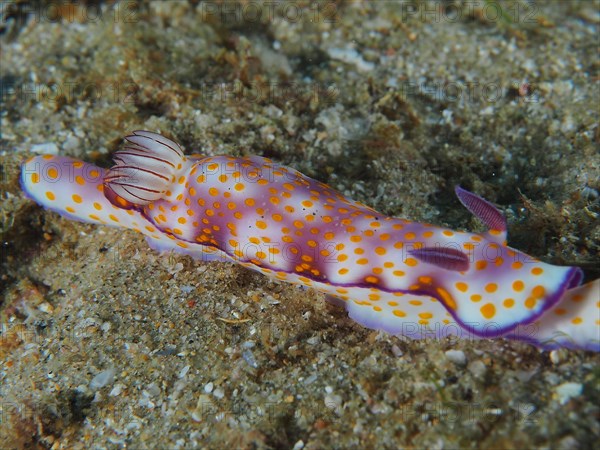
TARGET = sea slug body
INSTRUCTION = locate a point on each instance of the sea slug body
(403, 277)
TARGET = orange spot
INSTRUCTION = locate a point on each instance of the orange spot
(560, 311)
(398, 273)
(260, 224)
(481, 265)
(488, 310)
(113, 218)
(35, 178)
(508, 303)
(518, 286)
(576, 320)
(380, 250)
(428, 234)
(71, 210)
(412, 262)
(475, 298)
(447, 233)
(462, 287)
(425, 315)
(399, 313)
(53, 173)
(371, 279)
(362, 261)
(342, 257)
(50, 195)
(530, 303)
(182, 220)
(409, 236)
(447, 298)
(537, 271)
(77, 198)
(79, 179)
(491, 287)
(343, 271)
(538, 291)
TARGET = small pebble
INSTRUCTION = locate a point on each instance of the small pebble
(250, 359)
(478, 368)
(457, 357)
(184, 371)
(219, 393)
(566, 391)
(557, 356)
(47, 148)
(116, 391)
(102, 379)
(397, 351)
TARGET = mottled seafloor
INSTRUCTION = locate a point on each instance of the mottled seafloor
(107, 344)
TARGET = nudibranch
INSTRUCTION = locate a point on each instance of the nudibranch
(406, 278)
